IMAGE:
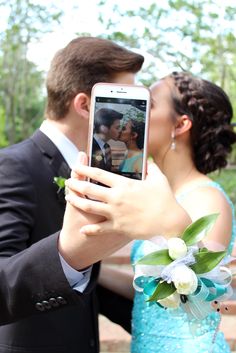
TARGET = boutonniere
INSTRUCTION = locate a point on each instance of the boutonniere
(99, 158)
(60, 181)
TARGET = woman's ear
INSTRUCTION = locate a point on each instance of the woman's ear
(134, 135)
(183, 125)
(82, 105)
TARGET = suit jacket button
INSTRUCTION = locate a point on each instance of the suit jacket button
(53, 302)
(39, 306)
(61, 300)
(46, 304)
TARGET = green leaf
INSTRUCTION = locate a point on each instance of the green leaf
(207, 260)
(60, 181)
(160, 257)
(196, 231)
(203, 249)
(163, 290)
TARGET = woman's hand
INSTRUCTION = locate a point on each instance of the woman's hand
(134, 208)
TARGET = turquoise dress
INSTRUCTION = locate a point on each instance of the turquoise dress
(127, 166)
(155, 330)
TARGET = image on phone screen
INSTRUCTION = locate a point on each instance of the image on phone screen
(119, 135)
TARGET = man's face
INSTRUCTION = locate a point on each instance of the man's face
(114, 130)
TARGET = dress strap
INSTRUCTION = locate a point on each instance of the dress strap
(199, 185)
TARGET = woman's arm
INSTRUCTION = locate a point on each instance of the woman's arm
(206, 200)
(118, 281)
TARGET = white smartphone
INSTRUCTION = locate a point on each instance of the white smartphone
(118, 129)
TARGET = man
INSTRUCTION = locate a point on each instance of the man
(50, 278)
(106, 127)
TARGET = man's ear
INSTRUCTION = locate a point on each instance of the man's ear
(82, 105)
(103, 129)
(183, 125)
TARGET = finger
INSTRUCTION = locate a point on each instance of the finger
(153, 171)
(86, 205)
(224, 307)
(93, 191)
(98, 228)
(81, 159)
(69, 191)
(100, 175)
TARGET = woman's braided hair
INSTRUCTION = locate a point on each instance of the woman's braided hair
(210, 111)
(138, 127)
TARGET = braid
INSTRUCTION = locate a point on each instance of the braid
(139, 128)
(211, 112)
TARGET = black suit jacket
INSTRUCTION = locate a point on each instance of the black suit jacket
(98, 159)
(57, 318)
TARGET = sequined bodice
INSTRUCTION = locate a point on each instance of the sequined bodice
(157, 330)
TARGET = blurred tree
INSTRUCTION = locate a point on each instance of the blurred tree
(196, 36)
(21, 96)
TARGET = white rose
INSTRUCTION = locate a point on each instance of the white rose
(172, 301)
(177, 248)
(184, 279)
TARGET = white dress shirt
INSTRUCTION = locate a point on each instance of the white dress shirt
(100, 142)
(77, 279)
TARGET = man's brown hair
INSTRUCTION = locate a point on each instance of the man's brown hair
(82, 63)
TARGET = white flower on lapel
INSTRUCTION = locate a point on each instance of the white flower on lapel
(98, 158)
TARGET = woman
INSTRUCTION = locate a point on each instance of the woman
(190, 136)
(132, 134)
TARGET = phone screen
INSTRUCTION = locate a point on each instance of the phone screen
(119, 135)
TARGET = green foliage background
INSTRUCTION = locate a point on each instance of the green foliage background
(197, 36)
(227, 179)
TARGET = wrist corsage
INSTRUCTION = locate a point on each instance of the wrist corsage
(183, 274)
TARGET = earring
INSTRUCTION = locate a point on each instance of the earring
(173, 143)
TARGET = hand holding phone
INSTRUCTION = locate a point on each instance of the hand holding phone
(118, 131)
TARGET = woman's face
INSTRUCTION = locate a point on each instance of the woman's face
(161, 119)
(126, 132)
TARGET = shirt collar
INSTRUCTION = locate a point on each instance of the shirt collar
(100, 142)
(68, 150)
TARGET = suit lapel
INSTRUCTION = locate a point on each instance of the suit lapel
(55, 159)
(49, 150)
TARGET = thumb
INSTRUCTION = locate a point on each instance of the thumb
(153, 171)
(95, 229)
(82, 159)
